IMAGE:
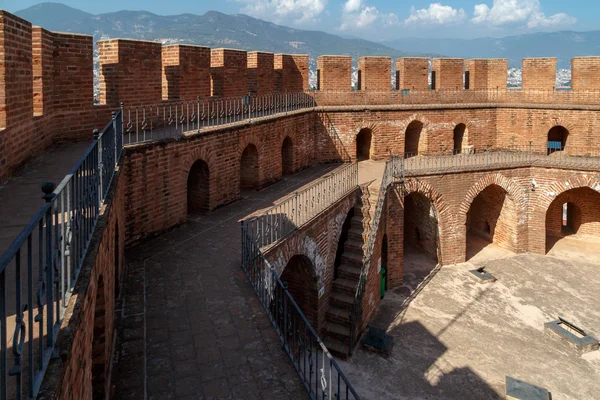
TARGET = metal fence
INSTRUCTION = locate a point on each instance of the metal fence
(172, 119)
(282, 219)
(40, 268)
(318, 371)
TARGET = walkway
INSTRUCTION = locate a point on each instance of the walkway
(21, 196)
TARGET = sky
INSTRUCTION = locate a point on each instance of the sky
(378, 19)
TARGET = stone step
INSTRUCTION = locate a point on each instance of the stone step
(352, 257)
(355, 234)
(354, 244)
(346, 286)
(337, 315)
(342, 300)
(357, 222)
(349, 271)
(337, 331)
(337, 348)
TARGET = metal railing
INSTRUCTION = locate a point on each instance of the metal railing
(174, 118)
(355, 315)
(40, 268)
(282, 219)
(456, 96)
(318, 371)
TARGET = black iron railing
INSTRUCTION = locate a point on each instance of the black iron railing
(318, 371)
(40, 268)
(280, 220)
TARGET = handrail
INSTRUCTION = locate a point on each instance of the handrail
(39, 270)
(322, 378)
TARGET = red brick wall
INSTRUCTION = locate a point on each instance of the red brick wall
(261, 73)
(412, 73)
(186, 72)
(335, 72)
(448, 73)
(487, 73)
(291, 72)
(585, 73)
(70, 376)
(130, 72)
(538, 73)
(152, 167)
(375, 73)
(228, 73)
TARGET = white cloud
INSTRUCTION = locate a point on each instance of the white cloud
(297, 11)
(505, 12)
(356, 16)
(437, 14)
(352, 6)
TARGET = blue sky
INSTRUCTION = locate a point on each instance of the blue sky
(379, 19)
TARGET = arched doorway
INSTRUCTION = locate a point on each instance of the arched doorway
(287, 156)
(492, 218)
(363, 144)
(459, 133)
(99, 344)
(421, 232)
(300, 276)
(383, 274)
(249, 177)
(557, 138)
(198, 188)
(412, 138)
(574, 213)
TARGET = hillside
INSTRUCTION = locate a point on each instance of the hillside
(212, 29)
(563, 45)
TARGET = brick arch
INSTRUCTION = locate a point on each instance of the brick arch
(466, 137)
(513, 189)
(558, 121)
(422, 144)
(414, 117)
(299, 244)
(246, 140)
(204, 154)
(444, 213)
(549, 193)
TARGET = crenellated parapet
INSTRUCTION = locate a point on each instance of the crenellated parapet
(291, 72)
(185, 72)
(374, 73)
(585, 73)
(261, 73)
(334, 73)
(412, 73)
(447, 73)
(486, 73)
(538, 73)
(228, 72)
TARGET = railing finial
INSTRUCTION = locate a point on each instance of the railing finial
(48, 189)
(96, 133)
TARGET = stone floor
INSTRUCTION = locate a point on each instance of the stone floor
(457, 338)
(192, 326)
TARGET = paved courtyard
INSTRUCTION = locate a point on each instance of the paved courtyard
(192, 326)
(457, 338)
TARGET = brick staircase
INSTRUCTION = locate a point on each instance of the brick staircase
(336, 330)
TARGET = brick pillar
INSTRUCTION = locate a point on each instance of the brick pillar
(130, 71)
(395, 237)
(585, 73)
(374, 73)
(185, 72)
(412, 73)
(291, 72)
(487, 73)
(43, 70)
(261, 73)
(16, 92)
(228, 73)
(448, 73)
(334, 73)
(539, 73)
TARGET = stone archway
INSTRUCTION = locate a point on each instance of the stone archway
(412, 138)
(287, 156)
(249, 168)
(458, 138)
(557, 138)
(300, 276)
(363, 144)
(198, 188)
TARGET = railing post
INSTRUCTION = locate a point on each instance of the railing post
(114, 120)
(100, 165)
(48, 189)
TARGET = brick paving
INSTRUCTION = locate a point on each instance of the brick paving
(191, 326)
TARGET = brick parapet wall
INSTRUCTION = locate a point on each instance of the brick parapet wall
(538, 73)
(487, 73)
(228, 73)
(374, 73)
(412, 73)
(69, 376)
(291, 72)
(334, 73)
(261, 73)
(449, 73)
(585, 73)
(186, 72)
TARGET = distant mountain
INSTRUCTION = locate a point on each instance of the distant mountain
(563, 45)
(212, 29)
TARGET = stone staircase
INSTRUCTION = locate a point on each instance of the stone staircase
(336, 330)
